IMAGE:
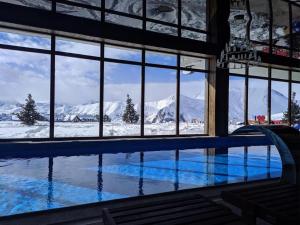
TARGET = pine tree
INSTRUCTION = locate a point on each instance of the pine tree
(130, 114)
(29, 115)
(106, 118)
(295, 111)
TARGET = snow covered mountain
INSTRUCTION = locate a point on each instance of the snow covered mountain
(191, 109)
(258, 102)
(156, 112)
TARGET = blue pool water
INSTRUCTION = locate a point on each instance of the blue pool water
(34, 184)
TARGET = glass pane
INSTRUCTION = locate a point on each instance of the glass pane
(193, 35)
(258, 71)
(160, 101)
(23, 74)
(296, 31)
(237, 68)
(162, 10)
(260, 25)
(122, 100)
(133, 7)
(78, 11)
(280, 74)
(192, 102)
(281, 28)
(88, 2)
(189, 62)
(77, 97)
(161, 58)
(159, 28)
(193, 14)
(295, 108)
(238, 19)
(296, 76)
(22, 39)
(258, 101)
(116, 52)
(236, 102)
(77, 47)
(40, 4)
(279, 102)
(123, 20)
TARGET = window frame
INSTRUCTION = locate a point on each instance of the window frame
(53, 53)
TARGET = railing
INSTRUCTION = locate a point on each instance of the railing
(277, 134)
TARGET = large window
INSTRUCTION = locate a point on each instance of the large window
(281, 28)
(40, 4)
(296, 31)
(77, 90)
(295, 108)
(122, 92)
(90, 89)
(283, 37)
(122, 99)
(258, 101)
(192, 102)
(184, 18)
(279, 102)
(260, 27)
(160, 101)
(24, 94)
(77, 97)
(263, 95)
(236, 102)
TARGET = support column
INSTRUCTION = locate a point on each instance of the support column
(218, 80)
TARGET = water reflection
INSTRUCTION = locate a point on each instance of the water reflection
(33, 184)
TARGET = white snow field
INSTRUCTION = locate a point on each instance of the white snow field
(15, 129)
(81, 120)
(159, 118)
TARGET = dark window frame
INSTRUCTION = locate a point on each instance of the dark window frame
(102, 59)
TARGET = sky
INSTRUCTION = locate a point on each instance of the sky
(78, 80)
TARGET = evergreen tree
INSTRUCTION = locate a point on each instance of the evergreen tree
(130, 114)
(106, 118)
(295, 111)
(29, 115)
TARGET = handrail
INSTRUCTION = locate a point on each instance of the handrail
(274, 132)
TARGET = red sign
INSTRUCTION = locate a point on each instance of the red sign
(261, 119)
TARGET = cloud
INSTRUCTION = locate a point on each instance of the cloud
(79, 47)
(78, 80)
(25, 40)
(23, 73)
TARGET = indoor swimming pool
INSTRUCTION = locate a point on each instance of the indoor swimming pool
(34, 184)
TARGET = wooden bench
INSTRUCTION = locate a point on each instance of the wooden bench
(188, 210)
(276, 204)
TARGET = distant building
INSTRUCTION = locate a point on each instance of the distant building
(76, 119)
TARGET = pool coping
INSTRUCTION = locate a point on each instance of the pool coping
(67, 148)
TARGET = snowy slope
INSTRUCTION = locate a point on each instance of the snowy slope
(163, 110)
(158, 111)
(258, 102)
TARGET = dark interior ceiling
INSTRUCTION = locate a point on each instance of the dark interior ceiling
(294, 1)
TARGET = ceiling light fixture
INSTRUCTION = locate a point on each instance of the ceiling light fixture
(239, 52)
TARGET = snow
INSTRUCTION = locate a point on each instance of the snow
(258, 101)
(277, 116)
(159, 116)
(15, 129)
